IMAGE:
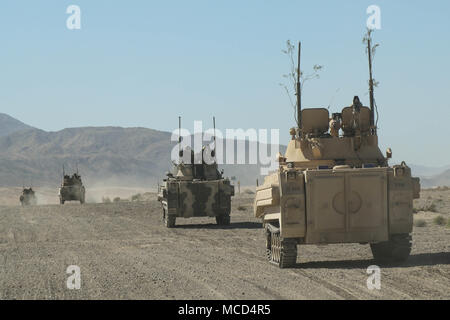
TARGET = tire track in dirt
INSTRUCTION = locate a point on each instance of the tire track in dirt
(124, 251)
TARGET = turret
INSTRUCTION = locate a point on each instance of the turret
(191, 170)
(346, 138)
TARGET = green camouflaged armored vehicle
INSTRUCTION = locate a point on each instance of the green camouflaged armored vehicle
(28, 197)
(195, 190)
(71, 189)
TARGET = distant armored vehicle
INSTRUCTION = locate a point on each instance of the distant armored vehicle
(195, 190)
(71, 189)
(334, 187)
(28, 197)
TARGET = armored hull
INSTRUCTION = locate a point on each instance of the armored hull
(195, 187)
(71, 193)
(334, 185)
(28, 197)
(336, 189)
(187, 199)
(72, 189)
(195, 190)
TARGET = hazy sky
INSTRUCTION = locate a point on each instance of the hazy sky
(143, 63)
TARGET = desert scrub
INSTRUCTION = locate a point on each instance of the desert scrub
(106, 200)
(248, 191)
(116, 199)
(439, 220)
(136, 197)
(420, 223)
(429, 207)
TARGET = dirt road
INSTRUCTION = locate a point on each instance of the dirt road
(124, 251)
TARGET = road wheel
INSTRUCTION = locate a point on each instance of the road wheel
(282, 252)
(169, 221)
(223, 220)
(397, 249)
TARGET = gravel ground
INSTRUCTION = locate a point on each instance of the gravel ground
(124, 252)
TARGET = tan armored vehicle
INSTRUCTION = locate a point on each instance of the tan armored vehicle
(71, 189)
(28, 197)
(334, 185)
(195, 190)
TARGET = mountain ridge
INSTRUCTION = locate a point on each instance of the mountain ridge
(10, 125)
(133, 156)
(104, 155)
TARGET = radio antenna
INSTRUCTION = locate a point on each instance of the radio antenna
(299, 88)
(215, 146)
(371, 85)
